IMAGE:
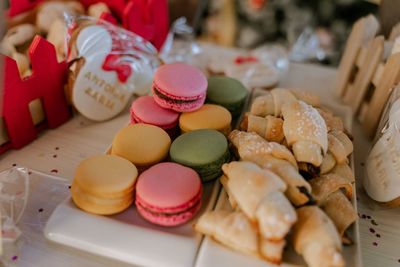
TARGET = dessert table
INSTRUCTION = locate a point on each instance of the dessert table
(54, 156)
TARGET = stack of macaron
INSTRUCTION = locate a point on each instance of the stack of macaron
(172, 168)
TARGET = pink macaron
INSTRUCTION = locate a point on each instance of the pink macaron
(180, 87)
(145, 110)
(168, 194)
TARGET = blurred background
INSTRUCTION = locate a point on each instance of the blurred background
(315, 29)
(311, 30)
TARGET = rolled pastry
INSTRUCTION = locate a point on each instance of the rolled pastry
(344, 171)
(328, 163)
(306, 96)
(277, 158)
(275, 216)
(22, 62)
(251, 144)
(95, 10)
(305, 131)
(272, 251)
(270, 127)
(56, 36)
(340, 146)
(333, 123)
(341, 212)
(249, 184)
(316, 238)
(224, 181)
(232, 229)
(325, 185)
(271, 103)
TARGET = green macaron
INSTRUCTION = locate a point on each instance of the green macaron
(227, 92)
(204, 150)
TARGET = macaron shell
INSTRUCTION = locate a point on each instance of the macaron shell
(145, 110)
(106, 175)
(180, 80)
(225, 90)
(199, 147)
(76, 190)
(168, 186)
(142, 144)
(179, 106)
(208, 116)
(100, 209)
(169, 220)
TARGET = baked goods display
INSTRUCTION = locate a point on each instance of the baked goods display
(293, 185)
(171, 167)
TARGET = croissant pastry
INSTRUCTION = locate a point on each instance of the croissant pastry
(271, 103)
(305, 131)
(306, 96)
(333, 123)
(249, 184)
(277, 158)
(316, 238)
(253, 145)
(344, 171)
(270, 127)
(340, 146)
(272, 251)
(328, 163)
(224, 181)
(325, 185)
(232, 229)
(275, 216)
(340, 210)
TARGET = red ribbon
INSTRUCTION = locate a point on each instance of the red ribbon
(113, 62)
(241, 60)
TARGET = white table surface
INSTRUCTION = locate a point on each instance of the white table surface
(57, 152)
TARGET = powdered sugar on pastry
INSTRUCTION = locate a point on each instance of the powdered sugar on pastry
(303, 124)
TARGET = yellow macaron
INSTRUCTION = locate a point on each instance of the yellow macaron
(142, 144)
(104, 184)
(209, 116)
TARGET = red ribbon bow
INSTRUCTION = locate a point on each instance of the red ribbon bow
(113, 62)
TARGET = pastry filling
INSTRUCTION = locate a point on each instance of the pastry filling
(311, 200)
(166, 98)
(171, 214)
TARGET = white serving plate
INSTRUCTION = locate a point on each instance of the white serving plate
(126, 236)
(129, 238)
(212, 253)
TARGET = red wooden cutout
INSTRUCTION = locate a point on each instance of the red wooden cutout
(19, 6)
(149, 19)
(46, 82)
